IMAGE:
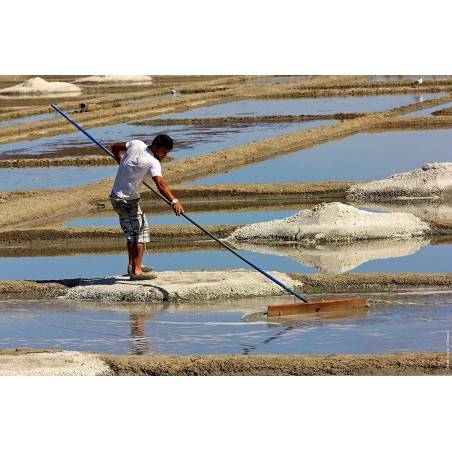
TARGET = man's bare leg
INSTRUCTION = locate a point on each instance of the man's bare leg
(129, 249)
(137, 257)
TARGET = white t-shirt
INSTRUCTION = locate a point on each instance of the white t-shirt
(136, 164)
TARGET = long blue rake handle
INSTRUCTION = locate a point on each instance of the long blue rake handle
(276, 281)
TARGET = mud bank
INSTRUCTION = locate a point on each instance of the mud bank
(58, 363)
(373, 282)
(399, 364)
(160, 233)
(333, 222)
(56, 162)
(30, 290)
(310, 284)
(293, 92)
(432, 180)
(414, 123)
(247, 119)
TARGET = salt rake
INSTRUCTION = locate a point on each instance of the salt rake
(272, 311)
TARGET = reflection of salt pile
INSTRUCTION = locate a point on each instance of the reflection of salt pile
(433, 179)
(38, 85)
(333, 222)
(334, 259)
(115, 79)
(435, 211)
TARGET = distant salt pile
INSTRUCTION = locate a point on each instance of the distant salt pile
(333, 222)
(432, 180)
(37, 85)
(115, 79)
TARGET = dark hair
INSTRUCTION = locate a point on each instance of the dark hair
(163, 141)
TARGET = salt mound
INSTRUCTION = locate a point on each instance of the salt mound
(432, 180)
(115, 79)
(333, 222)
(37, 85)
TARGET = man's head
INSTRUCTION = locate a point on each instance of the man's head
(161, 145)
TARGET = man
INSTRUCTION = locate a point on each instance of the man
(136, 161)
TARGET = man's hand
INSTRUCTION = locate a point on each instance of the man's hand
(178, 208)
(165, 191)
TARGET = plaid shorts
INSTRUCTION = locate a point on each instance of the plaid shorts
(133, 221)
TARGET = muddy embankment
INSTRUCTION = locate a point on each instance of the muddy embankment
(248, 119)
(414, 123)
(67, 241)
(57, 162)
(56, 362)
(395, 364)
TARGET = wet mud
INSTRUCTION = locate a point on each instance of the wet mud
(399, 364)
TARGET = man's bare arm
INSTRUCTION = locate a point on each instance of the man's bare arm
(117, 150)
(165, 191)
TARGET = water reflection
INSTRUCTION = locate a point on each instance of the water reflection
(139, 341)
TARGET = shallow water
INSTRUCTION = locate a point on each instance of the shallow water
(355, 158)
(60, 177)
(428, 259)
(32, 118)
(405, 323)
(385, 78)
(428, 111)
(190, 140)
(317, 106)
(228, 217)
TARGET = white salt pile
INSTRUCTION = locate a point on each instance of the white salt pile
(432, 180)
(333, 222)
(115, 79)
(37, 85)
